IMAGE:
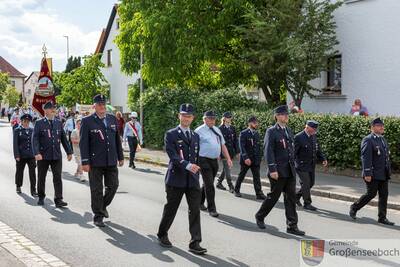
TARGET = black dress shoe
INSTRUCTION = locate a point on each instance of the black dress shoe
(237, 194)
(309, 207)
(260, 197)
(19, 190)
(231, 189)
(40, 202)
(105, 213)
(164, 242)
(99, 223)
(353, 213)
(295, 231)
(196, 249)
(133, 166)
(34, 193)
(214, 214)
(220, 186)
(260, 223)
(60, 204)
(385, 221)
(202, 207)
(298, 203)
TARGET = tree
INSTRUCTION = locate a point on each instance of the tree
(184, 43)
(211, 44)
(80, 85)
(12, 96)
(310, 47)
(264, 36)
(73, 63)
(4, 83)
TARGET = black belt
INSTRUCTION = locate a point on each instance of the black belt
(207, 158)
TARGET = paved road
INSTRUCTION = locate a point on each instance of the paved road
(129, 240)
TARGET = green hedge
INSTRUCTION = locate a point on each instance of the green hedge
(339, 135)
(161, 107)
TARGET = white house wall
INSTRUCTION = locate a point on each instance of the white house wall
(118, 81)
(369, 45)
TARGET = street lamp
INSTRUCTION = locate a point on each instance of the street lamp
(67, 37)
(141, 89)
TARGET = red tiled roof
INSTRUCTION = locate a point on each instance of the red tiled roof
(6, 67)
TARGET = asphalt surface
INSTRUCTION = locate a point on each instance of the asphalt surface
(130, 238)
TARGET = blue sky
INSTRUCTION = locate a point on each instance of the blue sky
(27, 24)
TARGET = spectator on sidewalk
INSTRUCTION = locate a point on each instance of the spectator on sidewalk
(250, 157)
(69, 126)
(15, 118)
(231, 142)
(376, 171)
(212, 144)
(10, 112)
(133, 133)
(121, 123)
(75, 137)
(307, 152)
(358, 109)
(23, 154)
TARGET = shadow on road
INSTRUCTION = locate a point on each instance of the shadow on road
(345, 217)
(149, 171)
(65, 216)
(72, 178)
(252, 227)
(136, 243)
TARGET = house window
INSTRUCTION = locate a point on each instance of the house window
(13, 83)
(117, 24)
(334, 76)
(109, 57)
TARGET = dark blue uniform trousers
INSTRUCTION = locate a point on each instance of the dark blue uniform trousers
(56, 167)
(287, 185)
(174, 197)
(99, 200)
(19, 174)
(373, 188)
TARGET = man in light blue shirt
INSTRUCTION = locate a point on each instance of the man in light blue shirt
(69, 126)
(212, 143)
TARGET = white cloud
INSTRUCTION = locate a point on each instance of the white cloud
(28, 24)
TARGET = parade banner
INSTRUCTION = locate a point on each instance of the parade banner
(44, 92)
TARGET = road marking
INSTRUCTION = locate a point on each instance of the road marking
(25, 250)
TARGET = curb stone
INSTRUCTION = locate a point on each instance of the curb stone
(315, 192)
(25, 250)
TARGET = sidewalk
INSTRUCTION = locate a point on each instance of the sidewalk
(17, 251)
(326, 185)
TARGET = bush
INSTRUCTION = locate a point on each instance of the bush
(339, 135)
(161, 107)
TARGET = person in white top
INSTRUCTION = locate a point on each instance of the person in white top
(77, 153)
(133, 133)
